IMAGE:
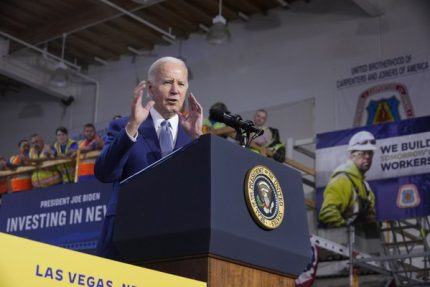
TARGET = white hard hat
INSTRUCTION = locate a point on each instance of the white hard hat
(362, 141)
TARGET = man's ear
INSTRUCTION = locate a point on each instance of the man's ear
(149, 88)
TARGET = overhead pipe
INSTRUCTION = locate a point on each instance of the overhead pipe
(139, 19)
(43, 52)
(75, 71)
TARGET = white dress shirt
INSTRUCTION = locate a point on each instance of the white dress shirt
(157, 119)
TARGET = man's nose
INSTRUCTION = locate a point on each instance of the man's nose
(174, 88)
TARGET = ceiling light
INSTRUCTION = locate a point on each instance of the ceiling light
(59, 76)
(218, 32)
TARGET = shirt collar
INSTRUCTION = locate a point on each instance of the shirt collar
(157, 118)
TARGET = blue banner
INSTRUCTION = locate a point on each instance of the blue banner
(67, 215)
(400, 173)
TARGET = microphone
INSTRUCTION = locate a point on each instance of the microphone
(235, 121)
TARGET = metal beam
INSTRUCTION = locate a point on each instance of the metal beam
(305, 151)
(393, 257)
(371, 7)
(101, 21)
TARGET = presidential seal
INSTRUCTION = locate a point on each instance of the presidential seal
(264, 197)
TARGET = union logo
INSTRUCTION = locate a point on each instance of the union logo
(264, 197)
(408, 196)
(383, 103)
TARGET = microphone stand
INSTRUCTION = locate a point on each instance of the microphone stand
(242, 136)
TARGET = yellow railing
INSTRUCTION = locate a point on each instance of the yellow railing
(94, 154)
(49, 163)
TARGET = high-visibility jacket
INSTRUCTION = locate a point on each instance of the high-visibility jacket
(20, 182)
(86, 165)
(67, 170)
(208, 124)
(44, 177)
(347, 197)
(276, 147)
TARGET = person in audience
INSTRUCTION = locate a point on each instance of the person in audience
(261, 143)
(91, 142)
(3, 180)
(152, 131)
(211, 125)
(21, 181)
(65, 148)
(40, 152)
(276, 149)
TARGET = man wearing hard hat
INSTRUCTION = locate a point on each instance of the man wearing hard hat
(347, 197)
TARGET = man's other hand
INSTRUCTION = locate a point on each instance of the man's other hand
(192, 122)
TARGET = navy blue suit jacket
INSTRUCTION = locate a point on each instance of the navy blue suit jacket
(121, 157)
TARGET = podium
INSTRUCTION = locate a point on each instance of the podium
(188, 215)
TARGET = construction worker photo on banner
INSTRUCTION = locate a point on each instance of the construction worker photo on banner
(348, 198)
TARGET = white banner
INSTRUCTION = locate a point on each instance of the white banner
(395, 157)
(385, 90)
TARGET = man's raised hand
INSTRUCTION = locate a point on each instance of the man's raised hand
(138, 113)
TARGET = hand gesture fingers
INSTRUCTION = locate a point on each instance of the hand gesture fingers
(138, 92)
(192, 123)
(193, 104)
(149, 105)
(139, 113)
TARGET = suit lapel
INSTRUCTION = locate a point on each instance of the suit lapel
(182, 138)
(149, 135)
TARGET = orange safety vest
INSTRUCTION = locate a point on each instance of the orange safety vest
(44, 177)
(3, 185)
(21, 181)
(86, 165)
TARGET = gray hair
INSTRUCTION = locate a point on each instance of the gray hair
(158, 63)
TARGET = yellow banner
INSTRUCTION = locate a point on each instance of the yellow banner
(26, 263)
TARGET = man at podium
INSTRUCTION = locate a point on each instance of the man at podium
(152, 131)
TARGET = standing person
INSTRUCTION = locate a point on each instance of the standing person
(22, 181)
(65, 147)
(347, 197)
(151, 132)
(40, 152)
(92, 141)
